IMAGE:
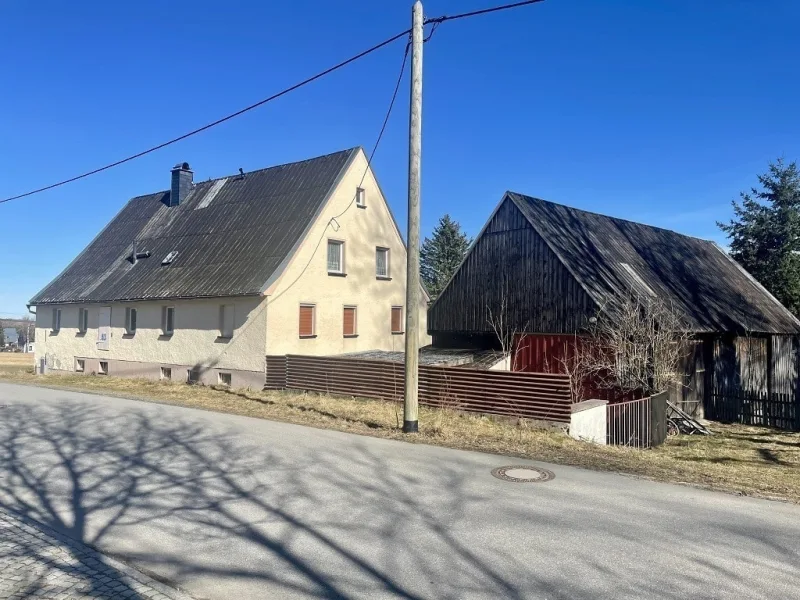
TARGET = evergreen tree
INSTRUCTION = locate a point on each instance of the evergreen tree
(441, 254)
(765, 233)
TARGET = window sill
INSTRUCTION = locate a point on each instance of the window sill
(382, 278)
(398, 332)
(165, 336)
(80, 334)
(223, 339)
(361, 206)
(351, 335)
(332, 274)
(128, 336)
(54, 331)
(308, 337)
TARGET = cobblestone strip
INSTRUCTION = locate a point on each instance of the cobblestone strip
(36, 562)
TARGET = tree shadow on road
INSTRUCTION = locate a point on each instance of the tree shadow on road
(210, 505)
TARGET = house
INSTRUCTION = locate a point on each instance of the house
(550, 268)
(11, 337)
(202, 281)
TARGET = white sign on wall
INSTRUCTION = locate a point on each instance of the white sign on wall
(104, 328)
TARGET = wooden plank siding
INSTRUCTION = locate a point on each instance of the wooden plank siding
(510, 260)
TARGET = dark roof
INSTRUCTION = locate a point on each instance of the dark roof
(696, 276)
(231, 236)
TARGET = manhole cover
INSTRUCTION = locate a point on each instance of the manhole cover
(523, 474)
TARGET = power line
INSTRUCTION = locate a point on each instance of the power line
(436, 22)
(483, 11)
(217, 122)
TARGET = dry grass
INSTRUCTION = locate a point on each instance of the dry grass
(15, 361)
(746, 460)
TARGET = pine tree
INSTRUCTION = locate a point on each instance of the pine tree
(441, 255)
(765, 233)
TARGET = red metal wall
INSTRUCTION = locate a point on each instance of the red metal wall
(547, 353)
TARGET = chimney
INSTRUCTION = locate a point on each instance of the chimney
(181, 183)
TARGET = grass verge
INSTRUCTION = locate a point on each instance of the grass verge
(753, 461)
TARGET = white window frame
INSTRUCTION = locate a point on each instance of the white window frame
(83, 320)
(166, 373)
(361, 197)
(100, 369)
(340, 244)
(165, 328)
(387, 253)
(221, 379)
(80, 365)
(56, 325)
(131, 318)
(222, 332)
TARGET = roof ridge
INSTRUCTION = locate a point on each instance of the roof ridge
(613, 218)
(287, 164)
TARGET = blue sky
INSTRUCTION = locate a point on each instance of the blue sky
(658, 111)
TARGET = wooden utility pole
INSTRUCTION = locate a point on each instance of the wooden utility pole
(410, 406)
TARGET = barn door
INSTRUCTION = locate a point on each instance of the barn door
(104, 328)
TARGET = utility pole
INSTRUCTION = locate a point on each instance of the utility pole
(410, 405)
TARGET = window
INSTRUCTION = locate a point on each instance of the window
(166, 373)
(224, 379)
(307, 320)
(349, 322)
(382, 263)
(130, 321)
(56, 320)
(83, 320)
(335, 257)
(80, 365)
(168, 320)
(361, 197)
(192, 376)
(226, 321)
(397, 319)
(103, 369)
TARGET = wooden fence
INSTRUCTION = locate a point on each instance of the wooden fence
(540, 396)
(777, 410)
(638, 423)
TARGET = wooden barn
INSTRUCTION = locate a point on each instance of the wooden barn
(549, 268)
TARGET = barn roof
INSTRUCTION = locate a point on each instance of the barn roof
(607, 255)
(228, 237)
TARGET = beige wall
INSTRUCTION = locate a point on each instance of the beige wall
(306, 279)
(195, 341)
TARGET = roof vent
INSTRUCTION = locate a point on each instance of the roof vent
(181, 183)
(169, 257)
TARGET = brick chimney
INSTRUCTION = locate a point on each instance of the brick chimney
(181, 183)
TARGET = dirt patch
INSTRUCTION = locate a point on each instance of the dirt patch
(745, 460)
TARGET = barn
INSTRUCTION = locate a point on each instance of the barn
(549, 268)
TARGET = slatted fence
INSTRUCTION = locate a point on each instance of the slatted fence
(638, 423)
(778, 410)
(539, 396)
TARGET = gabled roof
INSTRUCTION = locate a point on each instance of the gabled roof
(228, 237)
(609, 256)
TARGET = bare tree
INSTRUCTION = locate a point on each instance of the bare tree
(636, 344)
(505, 329)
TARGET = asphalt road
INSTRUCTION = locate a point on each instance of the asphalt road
(232, 507)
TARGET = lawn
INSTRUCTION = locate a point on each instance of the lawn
(15, 361)
(746, 460)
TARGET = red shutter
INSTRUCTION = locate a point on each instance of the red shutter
(306, 321)
(349, 324)
(397, 319)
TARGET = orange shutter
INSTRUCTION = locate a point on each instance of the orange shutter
(397, 319)
(349, 320)
(306, 321)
